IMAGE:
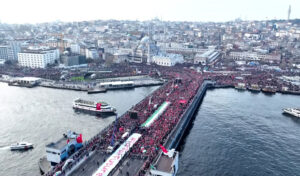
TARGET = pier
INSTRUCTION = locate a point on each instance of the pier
(89, 87)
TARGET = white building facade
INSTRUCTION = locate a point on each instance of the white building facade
(75, 48)
(167, 60)
(254, 56)
(38, 58)
(207, 57)
(92, 53)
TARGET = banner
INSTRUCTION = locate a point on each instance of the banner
(115, 158)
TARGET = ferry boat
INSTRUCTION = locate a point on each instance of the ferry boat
(240, 86)
(292, 111)
(98, 108)
(254, 88)
(21, 146)
(60, 150)
(117, 85)
(96, 90)
(269, 89)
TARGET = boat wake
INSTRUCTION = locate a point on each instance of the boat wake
(4, 147)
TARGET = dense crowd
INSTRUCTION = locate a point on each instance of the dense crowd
(261, 79)
(180, 90)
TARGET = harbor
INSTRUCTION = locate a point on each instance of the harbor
(140, 155)
(144, 139)
(98, 86)
(128, 164)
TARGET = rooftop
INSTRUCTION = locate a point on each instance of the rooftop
(165, 164)
(62, 142)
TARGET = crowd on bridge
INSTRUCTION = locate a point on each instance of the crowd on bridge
(180, 90)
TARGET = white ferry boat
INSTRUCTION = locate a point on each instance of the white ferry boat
(117, 85)
(21, 146)
(98, 108)
(292, 111)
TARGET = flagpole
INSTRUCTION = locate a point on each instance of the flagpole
(113, 135)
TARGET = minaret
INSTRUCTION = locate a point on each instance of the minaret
(289, 12)
(149, 56)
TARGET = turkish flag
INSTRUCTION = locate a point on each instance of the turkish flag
(79, 138)
(163, 149)
(98, 106)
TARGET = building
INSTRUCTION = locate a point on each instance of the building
(207, 57)
(15, 48)
(246, 56)
(255, 56)
(75, 48)
(120, 57)
(38, 58)
(91, 53)
(70, 60)
(63, 148)
(6, 52)
(167, 59)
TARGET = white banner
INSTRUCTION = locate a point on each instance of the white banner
(115, 158)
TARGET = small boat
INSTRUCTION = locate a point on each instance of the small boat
(292, 111)
(269, 89)
(21, 146)
(254, 88)
(96, 90)
(240, 86)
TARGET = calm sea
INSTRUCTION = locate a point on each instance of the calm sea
(240, 134)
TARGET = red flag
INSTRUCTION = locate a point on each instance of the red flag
(98, 106)
(163, 149)
(182, 101)
(79, 138)
(68, 141)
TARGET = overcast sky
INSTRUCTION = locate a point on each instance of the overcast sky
(36, 11)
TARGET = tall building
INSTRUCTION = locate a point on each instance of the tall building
(75, 48)
(15, 49)
(92, 53)
(6, 53)
(38, 58)
(10, 51)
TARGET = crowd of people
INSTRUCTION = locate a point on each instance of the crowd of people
(258, 78)
(179, 91)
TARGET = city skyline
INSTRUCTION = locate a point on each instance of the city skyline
(33, 11)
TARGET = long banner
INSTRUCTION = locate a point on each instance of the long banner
(115, 158)
(156, 114)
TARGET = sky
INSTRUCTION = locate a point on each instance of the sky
(38, 11)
